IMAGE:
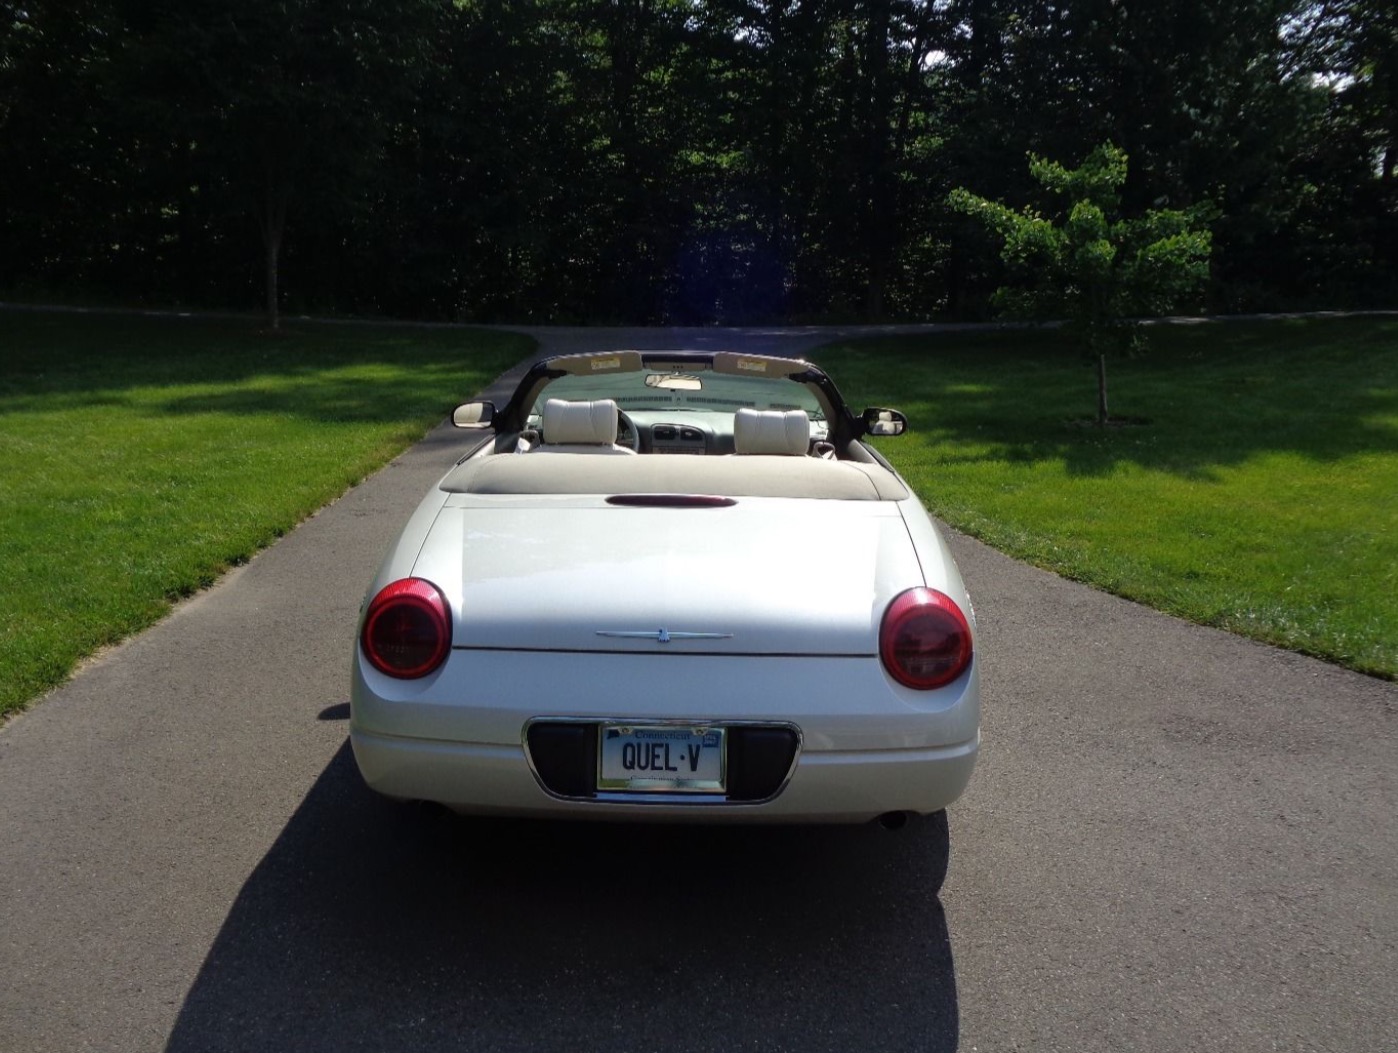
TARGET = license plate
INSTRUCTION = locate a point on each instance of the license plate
(664, 758)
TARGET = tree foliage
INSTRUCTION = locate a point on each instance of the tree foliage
(672, 160)
(1092, 266)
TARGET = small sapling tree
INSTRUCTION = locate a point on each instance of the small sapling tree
(1096, 270)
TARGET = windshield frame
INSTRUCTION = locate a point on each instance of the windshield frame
(818, 387)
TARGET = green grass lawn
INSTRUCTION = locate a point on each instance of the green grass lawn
(141, 457)
(1258, 494)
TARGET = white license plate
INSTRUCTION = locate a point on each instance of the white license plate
(661, 758)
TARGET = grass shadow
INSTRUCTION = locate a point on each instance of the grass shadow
(175, 366)
(1215, 395)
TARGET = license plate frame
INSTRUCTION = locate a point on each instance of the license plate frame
(667, 759)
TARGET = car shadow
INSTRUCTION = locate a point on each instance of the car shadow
(370, 925)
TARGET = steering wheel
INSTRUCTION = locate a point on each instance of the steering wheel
(625, 424)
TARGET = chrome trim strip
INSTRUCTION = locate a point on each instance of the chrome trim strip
(661, 636)
(667, 654)
(691, 800)
(617, 797)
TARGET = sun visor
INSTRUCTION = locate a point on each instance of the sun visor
(758, 365)
(593, 364)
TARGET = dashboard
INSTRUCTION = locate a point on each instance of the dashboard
(667, 432)
(677, 438)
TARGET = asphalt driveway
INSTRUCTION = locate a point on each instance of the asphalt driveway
(1176, 840)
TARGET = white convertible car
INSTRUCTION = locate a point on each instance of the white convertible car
(670, 585)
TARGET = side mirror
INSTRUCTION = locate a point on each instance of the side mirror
(473, 414)
(884, 422)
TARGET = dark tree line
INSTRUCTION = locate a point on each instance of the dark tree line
(679, 161)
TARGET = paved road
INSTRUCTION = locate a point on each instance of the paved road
(1176, 840)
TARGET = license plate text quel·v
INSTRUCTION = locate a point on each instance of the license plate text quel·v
(665, 758)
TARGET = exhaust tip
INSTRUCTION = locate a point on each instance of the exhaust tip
(893, 820)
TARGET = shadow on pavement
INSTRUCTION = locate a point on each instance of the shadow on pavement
(375, 926)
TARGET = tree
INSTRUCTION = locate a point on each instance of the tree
(673, 160)
(61, 168)
(1095, 268)
(1349, 49)
(288, 102)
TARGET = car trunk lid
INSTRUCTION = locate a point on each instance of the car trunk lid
(751, 576)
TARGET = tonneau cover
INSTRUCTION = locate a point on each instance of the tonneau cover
(734, 476)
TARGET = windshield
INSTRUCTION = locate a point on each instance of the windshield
(681, 391)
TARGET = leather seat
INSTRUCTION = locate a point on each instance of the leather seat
(781, 432)
(579, 427)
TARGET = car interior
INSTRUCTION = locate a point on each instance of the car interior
(746, 425)
(597, 426)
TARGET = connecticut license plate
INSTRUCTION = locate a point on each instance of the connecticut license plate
(662, 758)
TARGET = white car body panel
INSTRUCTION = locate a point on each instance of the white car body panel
(555, 576)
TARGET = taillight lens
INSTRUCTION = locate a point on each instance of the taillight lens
(407, 630)
(925, 640)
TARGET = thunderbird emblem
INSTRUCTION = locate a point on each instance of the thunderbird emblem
(661, 635)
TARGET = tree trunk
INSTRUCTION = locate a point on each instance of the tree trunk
(272, 219)
(1102, 391)
(274, 248)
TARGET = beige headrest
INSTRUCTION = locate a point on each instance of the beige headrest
(579, 423)
(772, 431)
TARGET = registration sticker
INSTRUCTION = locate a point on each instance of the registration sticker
(662, 758)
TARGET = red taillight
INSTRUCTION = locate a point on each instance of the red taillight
(407, 630)
(925, 640)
